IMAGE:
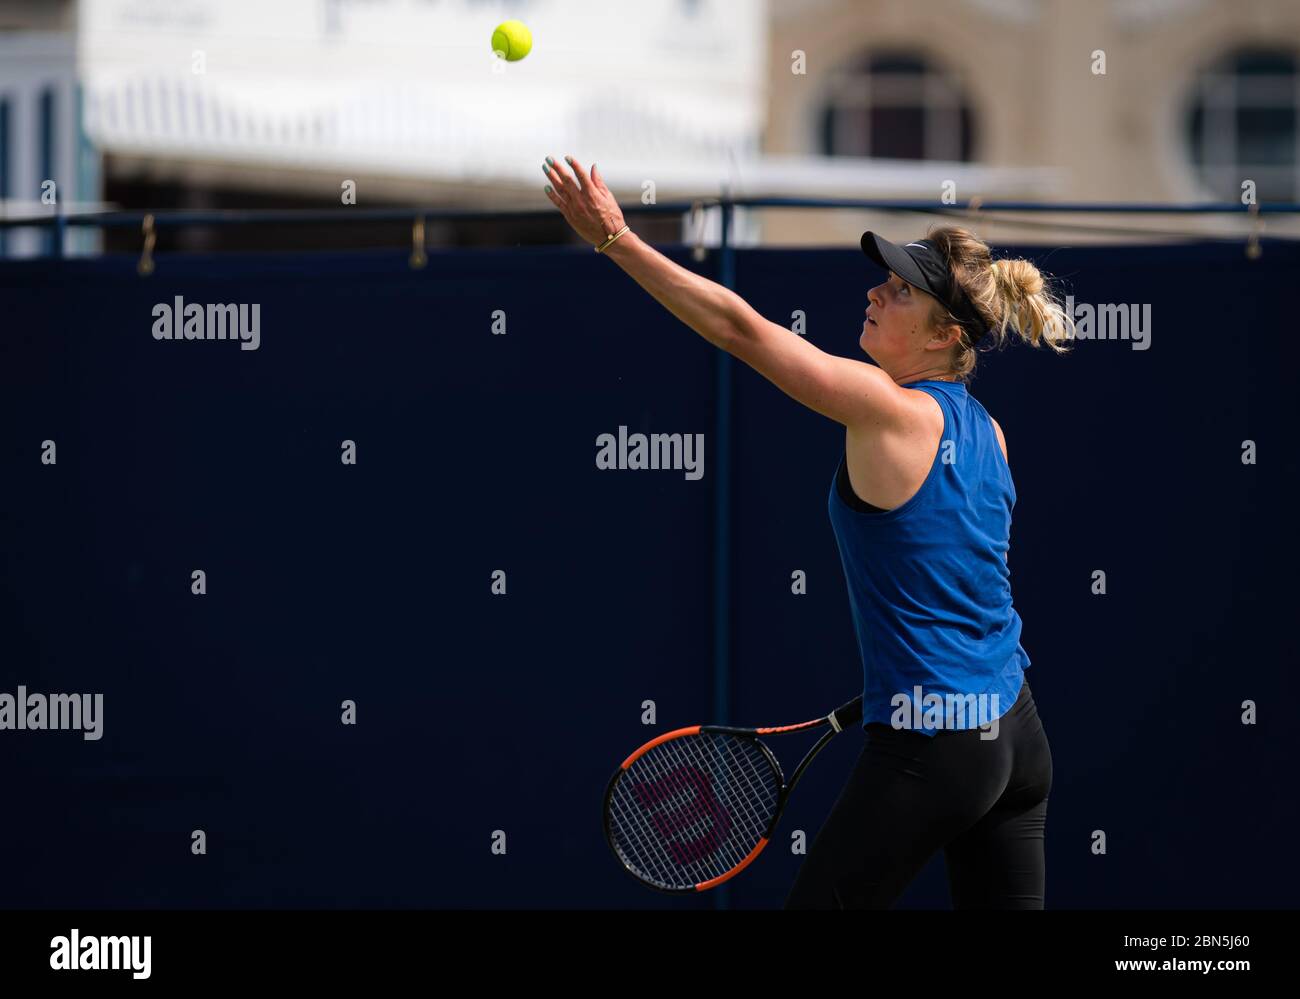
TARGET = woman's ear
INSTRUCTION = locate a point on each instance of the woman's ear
(945, 336)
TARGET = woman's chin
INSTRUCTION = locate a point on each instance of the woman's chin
(864, 342)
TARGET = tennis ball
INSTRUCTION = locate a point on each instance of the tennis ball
(513, 40)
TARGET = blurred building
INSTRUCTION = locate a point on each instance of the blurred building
(1120, 100)
(205, 104)
(214, 102)
(46, 161)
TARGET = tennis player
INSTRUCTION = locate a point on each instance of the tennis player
(955, 757)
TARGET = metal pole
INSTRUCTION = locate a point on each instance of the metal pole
(722, 513)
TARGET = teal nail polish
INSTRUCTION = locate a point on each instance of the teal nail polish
(548, 188)
(545, 168)
(550, 161)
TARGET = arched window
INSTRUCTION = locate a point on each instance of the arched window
(1242, 125)
(896, 105)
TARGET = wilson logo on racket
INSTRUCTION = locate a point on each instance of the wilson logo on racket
(679, 803)
(693, 807)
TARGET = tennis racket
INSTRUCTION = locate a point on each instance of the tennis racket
(694, 807)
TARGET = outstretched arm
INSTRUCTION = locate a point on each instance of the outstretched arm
(850, 392)
(705, 306)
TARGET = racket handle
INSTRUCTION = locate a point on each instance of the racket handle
(850, 713)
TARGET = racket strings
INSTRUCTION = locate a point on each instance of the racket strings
(681, 820)
(693, 808)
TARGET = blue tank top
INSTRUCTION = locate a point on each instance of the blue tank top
(929, 585)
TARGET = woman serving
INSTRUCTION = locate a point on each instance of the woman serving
(955, 757)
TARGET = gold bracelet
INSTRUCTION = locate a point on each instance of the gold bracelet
(602, 246)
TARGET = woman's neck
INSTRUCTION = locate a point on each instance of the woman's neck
(933, 375)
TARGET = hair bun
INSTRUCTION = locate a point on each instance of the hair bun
(1023, 277)
(1010, 293)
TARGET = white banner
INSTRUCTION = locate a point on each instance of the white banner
(412, 87)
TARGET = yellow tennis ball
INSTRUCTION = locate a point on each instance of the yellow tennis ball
(513, 40)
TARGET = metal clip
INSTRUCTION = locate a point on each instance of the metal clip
(698, 252)
(1253, 249)
(145, 267)
(418, 257)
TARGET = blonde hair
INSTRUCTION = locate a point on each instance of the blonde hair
(1008, 294)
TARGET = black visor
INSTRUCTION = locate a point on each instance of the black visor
(920, 264)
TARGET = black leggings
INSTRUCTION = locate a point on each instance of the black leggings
(983, 802)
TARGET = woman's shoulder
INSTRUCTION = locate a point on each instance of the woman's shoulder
(1002, 439)
(997, 427)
